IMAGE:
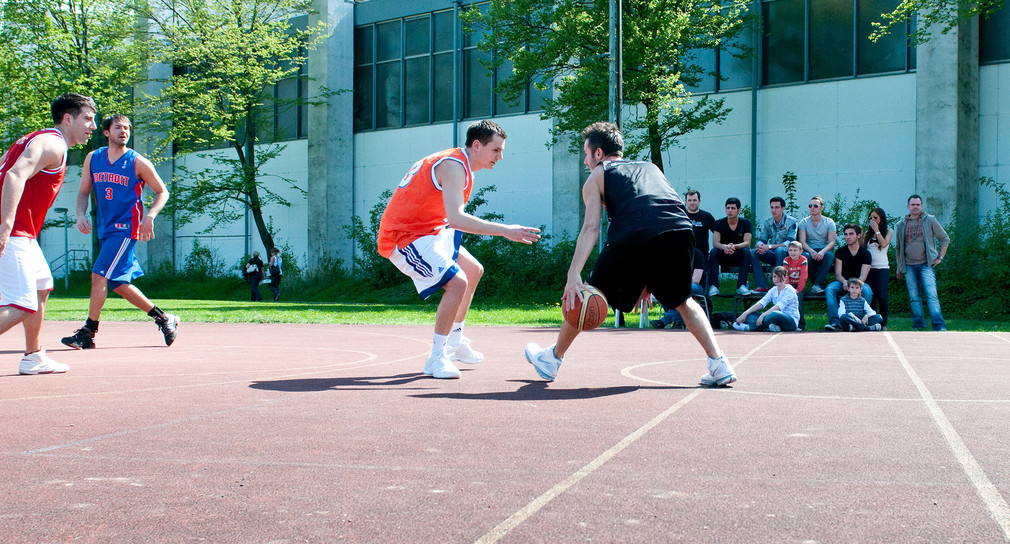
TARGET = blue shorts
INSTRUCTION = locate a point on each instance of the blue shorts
(117, 262)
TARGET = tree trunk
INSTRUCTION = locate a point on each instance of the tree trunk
(655, 144)
(252, 190)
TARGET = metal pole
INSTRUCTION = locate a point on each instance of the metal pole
(66, 252)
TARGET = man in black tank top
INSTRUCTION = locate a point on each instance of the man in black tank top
(649, 251)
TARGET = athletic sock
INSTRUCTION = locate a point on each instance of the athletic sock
(156, 313)
(91, 324)
(438, 343)
(456, 336)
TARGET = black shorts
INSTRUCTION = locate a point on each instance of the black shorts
(664, 264)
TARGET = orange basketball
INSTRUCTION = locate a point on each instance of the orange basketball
(590, 312)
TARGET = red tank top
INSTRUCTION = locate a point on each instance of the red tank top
(40, 190)
(416, 208)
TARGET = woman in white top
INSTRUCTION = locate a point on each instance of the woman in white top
(877, 239)
(783, 312)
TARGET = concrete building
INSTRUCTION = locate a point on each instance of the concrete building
(842, 113)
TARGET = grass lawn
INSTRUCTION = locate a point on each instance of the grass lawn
(65, 308)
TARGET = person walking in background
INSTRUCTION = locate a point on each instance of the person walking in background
(276, 271)
(118, 176)
(254, 275)
(918, 257)
(31, 175)
(421, 230)
(877, 239)
(817, 234)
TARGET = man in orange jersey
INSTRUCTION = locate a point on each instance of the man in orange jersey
(420, 233)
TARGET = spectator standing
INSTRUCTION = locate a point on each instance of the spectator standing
(731, 238)
(701, 221)
(877, 239)
(854, 313)
(918, 257)
(254, 275)
(782, 315)
(817, 234)
(276, 272)
(773, 241)
(851, 261)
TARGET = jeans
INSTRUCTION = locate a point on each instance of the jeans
(785, 323)
(774, 256)
(919, 277)
(850, 322)
(835, 290)
(822, 268)
(740, 258)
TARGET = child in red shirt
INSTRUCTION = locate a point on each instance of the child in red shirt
(796, 265)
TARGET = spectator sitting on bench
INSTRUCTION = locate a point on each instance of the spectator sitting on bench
(855, 314)
(851, 261)
(730, 246)
(782, 315)
(817, 234)
(671, 317)
(773, 241)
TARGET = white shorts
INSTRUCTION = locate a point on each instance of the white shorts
(430, 260)
(23, 273)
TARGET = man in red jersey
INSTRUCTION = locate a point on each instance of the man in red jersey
(420, 233)
(31, 174)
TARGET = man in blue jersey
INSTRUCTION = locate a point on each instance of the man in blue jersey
(118, 176)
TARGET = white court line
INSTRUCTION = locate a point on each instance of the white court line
(994, 335)
(986, 490)
(536, 504)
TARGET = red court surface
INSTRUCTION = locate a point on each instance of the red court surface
(321, 433)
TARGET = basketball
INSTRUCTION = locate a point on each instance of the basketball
(590, 312)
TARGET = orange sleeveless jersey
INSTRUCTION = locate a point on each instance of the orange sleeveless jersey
(416, 208)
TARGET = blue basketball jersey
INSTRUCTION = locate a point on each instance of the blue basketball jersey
(117, 194)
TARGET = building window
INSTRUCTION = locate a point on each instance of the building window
(994, 39)
(403, 74)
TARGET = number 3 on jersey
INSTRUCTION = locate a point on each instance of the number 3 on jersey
(410, 174)
(108, 193)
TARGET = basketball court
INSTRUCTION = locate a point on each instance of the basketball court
(322, 433)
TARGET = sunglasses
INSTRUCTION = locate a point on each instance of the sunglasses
(813, 205)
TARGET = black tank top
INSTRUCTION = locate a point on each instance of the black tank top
(640, 202)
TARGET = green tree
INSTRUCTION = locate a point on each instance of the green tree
(48, 47)
(225, 54)
(929, 14)
(565, 43)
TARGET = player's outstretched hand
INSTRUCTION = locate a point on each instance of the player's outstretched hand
(519, 233)
(84, 224)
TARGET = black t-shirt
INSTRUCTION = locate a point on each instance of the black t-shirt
(641, 203)
(728, 235)
(699, 264)
(852, 265)
(701, 222)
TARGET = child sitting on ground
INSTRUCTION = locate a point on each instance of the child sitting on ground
(782, 315)
(854, 313)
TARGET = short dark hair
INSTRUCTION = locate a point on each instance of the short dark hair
(123, 120)
(913, 196)
(604, 136)
(778, 199)
(693, 192)
(71, 103)
(733, 200)
(854, 227)
(483, 131)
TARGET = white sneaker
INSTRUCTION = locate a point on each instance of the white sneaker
(713, 291)
(741, 326)
(774, 328)
(719, 372)
(742, 290)
(874, 327)
(816, 290)
(39, 363)
(543, 360)
(464, 353)
(439, 366)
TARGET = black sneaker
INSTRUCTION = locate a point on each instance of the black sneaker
(167, 325)
(83, 338)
